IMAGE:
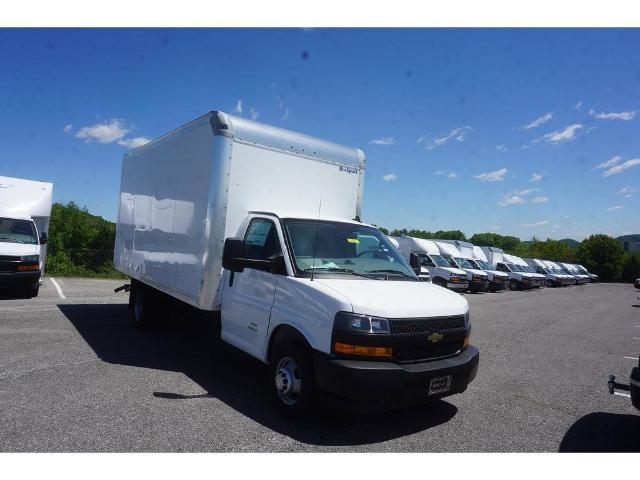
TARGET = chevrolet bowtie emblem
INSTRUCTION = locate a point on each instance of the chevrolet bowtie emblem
(435, 337)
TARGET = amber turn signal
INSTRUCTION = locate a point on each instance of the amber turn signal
(25, 268)
(363, 350)
(465, 343)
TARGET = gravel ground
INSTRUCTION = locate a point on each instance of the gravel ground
(75, 375)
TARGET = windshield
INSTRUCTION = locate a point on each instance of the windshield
(439, 261)
(464, 263)
(344, 248)
(516, 268)
(17, 231)
(484, 265)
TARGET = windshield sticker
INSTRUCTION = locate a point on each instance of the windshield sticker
(353, 240)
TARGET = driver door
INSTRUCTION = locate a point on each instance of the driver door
(248, 296)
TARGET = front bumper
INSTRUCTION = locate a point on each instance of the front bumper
(18, 279)
(390, 381)
(461, 285)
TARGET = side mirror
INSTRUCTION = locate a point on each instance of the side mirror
(278, 265)
(43, 238)
(414, 262)
(233, 255)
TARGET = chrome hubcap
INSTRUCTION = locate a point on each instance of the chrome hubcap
(288, 381)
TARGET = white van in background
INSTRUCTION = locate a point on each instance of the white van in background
(25, 209)
(462, 255)
(573, 270)
(558, 270)
(260, 226)
(538, 279)
(432, 263)
(583, 270)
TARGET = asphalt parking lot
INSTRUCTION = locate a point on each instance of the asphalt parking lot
(75, 375)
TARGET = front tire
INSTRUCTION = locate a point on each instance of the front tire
(291, 380)
(33, 290)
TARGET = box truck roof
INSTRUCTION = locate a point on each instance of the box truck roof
(447, 249)
(417, 245)
(20, 198)
(479, 254)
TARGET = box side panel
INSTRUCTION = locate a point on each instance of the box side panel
(161, 237)
(290, 185)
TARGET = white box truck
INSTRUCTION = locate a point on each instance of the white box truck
(553, 279)
(476, 259)
(25, 209)
(261, 226)
(432, 264)
(478, 280)
(518, 278)
(573, 270)
(555, 267)
(519, 263)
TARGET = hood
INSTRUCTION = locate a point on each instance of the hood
(473, 271)
(398, 299)
(498, 273)
(19, 249)
(453, 270)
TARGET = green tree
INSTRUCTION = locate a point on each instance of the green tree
(603, 256)
(489, 239)
(631, 267)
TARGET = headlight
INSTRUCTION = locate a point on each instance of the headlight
(477, 278)
(30, 258)
(361, 323)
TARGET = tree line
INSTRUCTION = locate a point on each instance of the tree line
(600, 254)
(81, 244)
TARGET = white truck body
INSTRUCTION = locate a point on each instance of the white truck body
(553, 278)
(555, 267)
(432, 263)
(538, 279)
(304, 282)
(478, 279)
(497, 280)
(573, 270)
(504, 263)
(24, 201)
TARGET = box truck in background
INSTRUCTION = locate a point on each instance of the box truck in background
(261, 227)
(478, 280)
(519, 264)
(518, 279)
(432, 264)
(497, 280)
(25, 209)
(553, 279)
(555, 267)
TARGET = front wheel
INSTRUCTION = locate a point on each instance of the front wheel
(292, 381)
(141, 306)
(33, 290)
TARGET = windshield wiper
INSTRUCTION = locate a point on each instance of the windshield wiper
(12, 240)
(390, 270)
(338, 270)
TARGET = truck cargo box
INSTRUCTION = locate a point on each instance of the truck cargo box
(184, 193)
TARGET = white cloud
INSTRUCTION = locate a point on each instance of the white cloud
(134, 142)
(617, 207)
(107, 132)
(452, 175)
(578, 106)
(526, 191)
(496, 176)
(560, 136)
(536, 177)
(287, 113)
(502, 148)
(383, 141)
(541, 199)
(67, 128)
(439, 172)
(627, 191)
(389, 177)
(621, 167)
(537, 224)
(539, 121)
(511, 200)
(446, 173)
(609, 163)
(458, 134)
(237, 110)
(630, 115)
(253, 113)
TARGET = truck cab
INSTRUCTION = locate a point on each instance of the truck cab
(584, 271)
(478, 279)
(25, 208)
(497, 280)
(567, 277)
(439, 270)
(573, 271)
(343, 290)
(552, 278)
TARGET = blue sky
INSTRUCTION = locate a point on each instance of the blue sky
(522, 132)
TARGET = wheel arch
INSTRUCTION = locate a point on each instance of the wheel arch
(285, 332)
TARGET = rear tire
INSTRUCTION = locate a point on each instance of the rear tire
(141, 311)
(291, 380)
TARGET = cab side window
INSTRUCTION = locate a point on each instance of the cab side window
(427, 262)
(502, 267)
(261, 240)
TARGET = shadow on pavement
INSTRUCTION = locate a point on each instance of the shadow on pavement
(603, 432)
(187, 344)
